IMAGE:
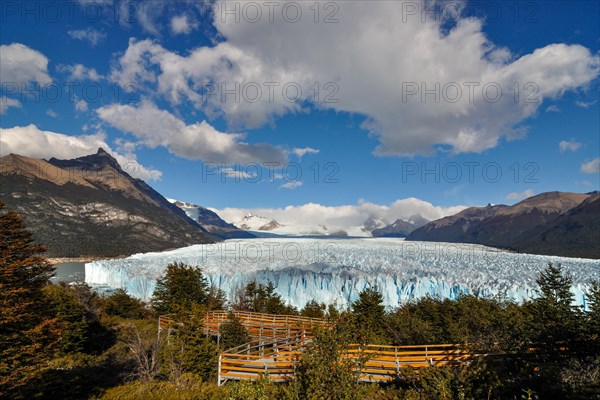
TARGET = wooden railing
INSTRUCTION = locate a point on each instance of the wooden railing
(260, 326)
(374, 363)
(278, 360)
(386, 363)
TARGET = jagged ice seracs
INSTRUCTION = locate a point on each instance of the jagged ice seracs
(334, 271)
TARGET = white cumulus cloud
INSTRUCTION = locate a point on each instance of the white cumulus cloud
(20, 64)
(80, 72)
(81, 106)
(291, 185)
(237, 174)
(585, 104)
(344, 216)
(90, 35)
(199, 141)
(591, 167)
(520, 196)
(568, 145)
(181, 24)
(299, 152)
(370, 63)
(6, 103)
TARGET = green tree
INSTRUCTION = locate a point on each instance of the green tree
(257, 297)
(216, 299)
(557, 332)
(406, 327)
(26, 331)
(314, 309)
(121, 304)
(188, 349)
(71, 316)
(233, 333)
(555, 319)
(593, 317)
(332, 311)
(76, 310)
(181, 287)
(593, 295)
(324, 372)
(369, 316)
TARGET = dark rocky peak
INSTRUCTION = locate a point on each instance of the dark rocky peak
(91, 162)
(418, 220)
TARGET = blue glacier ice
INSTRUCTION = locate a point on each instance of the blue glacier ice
(336, 270)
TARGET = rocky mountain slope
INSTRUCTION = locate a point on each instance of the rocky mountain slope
(575, 233)
(90, 207)
(554, 223)
(210, 221)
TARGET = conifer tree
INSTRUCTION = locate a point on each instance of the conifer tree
(593, 316)
(369, 315)
(233, 332)
(554, 315)
(257, 297)
(180, 288)
(25, 330)
(314, 309)
(71, 316)
(325, 371)
(188, 349)
(122, 305)
(216, 299)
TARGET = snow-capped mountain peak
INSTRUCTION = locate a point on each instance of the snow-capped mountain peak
(253, 222)
(372, 223)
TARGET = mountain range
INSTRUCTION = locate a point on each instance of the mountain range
(373, 226)
(270, 227)
(90, 207)
(553, 223)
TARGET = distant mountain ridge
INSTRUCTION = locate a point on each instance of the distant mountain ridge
(90, 207)
(210, 221)
(400, 227)
(553, 223)
(373, 226)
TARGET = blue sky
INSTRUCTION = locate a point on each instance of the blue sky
(374, 142)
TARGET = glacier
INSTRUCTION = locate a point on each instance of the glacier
(334, 271)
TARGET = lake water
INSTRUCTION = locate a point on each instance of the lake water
(69, 272)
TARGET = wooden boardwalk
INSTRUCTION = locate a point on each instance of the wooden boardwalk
(379, 363)
(278, 341)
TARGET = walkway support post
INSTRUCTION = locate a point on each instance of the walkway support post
(219, 370)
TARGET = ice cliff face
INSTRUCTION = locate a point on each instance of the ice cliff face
(336, 270)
